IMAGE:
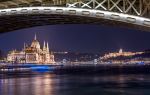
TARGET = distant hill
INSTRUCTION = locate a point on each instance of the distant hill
(145, 55)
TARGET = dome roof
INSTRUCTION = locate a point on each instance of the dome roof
(35, 43)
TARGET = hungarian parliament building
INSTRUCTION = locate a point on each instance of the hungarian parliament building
(32, 54)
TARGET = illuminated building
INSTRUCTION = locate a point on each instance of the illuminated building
(120, 53)
(32, 54)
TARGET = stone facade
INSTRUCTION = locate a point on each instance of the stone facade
(32, 54)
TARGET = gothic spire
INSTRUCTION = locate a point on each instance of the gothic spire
(35, 37)
(47, 47)
(44, 47)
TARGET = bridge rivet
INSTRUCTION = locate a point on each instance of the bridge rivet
(146, 23)
(130, 19)
(98, 14)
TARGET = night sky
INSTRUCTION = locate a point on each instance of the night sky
(79, 38)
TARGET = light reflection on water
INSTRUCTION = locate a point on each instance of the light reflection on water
(51, 84)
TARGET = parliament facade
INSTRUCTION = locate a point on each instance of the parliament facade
(32, 54)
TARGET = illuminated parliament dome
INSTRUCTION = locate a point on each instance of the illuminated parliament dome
(32, 54)
(35, 43)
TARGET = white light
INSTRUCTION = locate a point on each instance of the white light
(107, 14)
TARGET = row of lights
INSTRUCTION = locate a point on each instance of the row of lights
(80, 12)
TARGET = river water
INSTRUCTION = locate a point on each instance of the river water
(51, 84)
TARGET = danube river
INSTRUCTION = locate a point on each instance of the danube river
(51, 84)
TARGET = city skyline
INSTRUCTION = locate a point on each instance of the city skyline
(70, 38)
(74, 47)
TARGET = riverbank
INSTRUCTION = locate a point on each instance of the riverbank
(104, 69)
(79, 69)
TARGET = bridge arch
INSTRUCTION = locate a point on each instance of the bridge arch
(17, 18)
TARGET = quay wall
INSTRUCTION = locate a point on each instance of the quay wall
(81, 69)
(103, 69)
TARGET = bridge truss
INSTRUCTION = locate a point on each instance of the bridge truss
(133, 7)
(129, 13)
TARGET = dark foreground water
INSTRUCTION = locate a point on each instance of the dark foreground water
(51, 84)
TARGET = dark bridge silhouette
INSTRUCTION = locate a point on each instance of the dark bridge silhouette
(18, 14)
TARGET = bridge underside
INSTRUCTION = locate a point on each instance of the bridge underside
(132, 7)
(18, 14)
(14, 22)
